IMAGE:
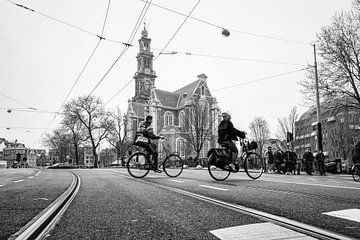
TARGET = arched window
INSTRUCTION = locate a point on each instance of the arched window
(168, 119)
(203, 90)
(182, 119)
(180, 147)
(205, 113)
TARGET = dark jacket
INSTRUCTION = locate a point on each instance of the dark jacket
(227, 132)
(355, 157)
(279, 156)
(290, 156)
(308, 156)
(320, 157)
(270, 156)
(146, 129)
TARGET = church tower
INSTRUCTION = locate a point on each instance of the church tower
(145, 75)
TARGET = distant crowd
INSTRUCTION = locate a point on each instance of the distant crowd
(287, 162)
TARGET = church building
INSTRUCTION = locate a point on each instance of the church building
(171, 111)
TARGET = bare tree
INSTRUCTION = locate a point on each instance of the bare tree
(90, 111)
(116, 136)
(287, 124)
(197, 126)
(77, 132)
(59, 140)
(260, 131)
(338, 46)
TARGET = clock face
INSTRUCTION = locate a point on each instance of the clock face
(147, 71)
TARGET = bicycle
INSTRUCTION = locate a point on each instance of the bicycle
(140, 163)
(218, 158)
(355, 172)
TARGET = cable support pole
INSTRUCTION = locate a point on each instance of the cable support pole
(318, 112)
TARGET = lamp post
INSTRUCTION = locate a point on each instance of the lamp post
(319, 134)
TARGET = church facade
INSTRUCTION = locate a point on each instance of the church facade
(172, 111)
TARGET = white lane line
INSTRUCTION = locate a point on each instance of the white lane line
(31, 176)
(348, 214)
(221, 189)
(1, 185)
(178, 181)
(18, 181)
(311, 184)
(258, 231)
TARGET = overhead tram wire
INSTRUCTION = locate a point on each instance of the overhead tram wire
(84, 67)
(169, 52)
(233, 30)
(160, 51)
(53, 18)
(23, 104)
(178, 29)
(127, 45)
(260, 79)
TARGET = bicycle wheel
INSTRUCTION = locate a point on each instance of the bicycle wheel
(356, 172)
(253, 165)
(215, 172)
(137, 165)
(173, 165)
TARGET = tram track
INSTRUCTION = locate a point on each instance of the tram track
(40, 225)
(294, 225)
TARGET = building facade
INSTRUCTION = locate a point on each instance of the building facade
(170, 110)
(340, 132)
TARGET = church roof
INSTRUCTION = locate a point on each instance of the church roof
(167, 99)
(189, 89)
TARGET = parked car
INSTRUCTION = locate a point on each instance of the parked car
(333, 165)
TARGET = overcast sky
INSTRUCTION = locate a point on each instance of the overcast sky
(41, 58)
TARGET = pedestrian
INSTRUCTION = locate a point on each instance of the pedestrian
(278, 159)
(298, 165)
(270, 160)
(309, 158)
(320, 162)
(293, 157)
(287, 158)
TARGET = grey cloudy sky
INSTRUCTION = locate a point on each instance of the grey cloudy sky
(41, 59)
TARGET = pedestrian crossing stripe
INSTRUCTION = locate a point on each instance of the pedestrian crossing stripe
(258, 231)
(349, 214)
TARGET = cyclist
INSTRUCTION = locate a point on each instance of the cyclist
(227, 135)
(146, 129)
(355, 156)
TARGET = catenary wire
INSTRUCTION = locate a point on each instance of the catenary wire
(178, 29)
(53, 18)
(259, 79)
(172, 37)
(84, 67)
(172, 51)
(233, 30)
(131, 38)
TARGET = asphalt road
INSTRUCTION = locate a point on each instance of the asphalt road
(113, 205)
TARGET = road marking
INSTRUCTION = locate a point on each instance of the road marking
(176, 181)
(312, 184)
(41, 199)
(1, 185)
(349, 214)
(221, 189)
(258, 231)
(31, 176)
(18, 181)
